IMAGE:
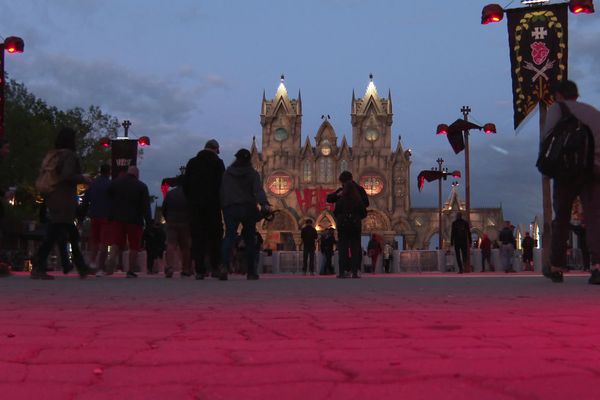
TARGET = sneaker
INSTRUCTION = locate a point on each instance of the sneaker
(252, 277)
(43, 275)
(186, 274)
(595, 277)
(554, 276)
(101, 274)
(355, 276)
(67, 268)
(131, 274)
(199, 276)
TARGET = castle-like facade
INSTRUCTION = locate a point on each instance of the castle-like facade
(298, 175)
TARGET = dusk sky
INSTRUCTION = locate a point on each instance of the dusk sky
(185, 71)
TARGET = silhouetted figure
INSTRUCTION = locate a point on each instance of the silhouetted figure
(527, 244)
(202, 185)
(309, 237)
(460, 238)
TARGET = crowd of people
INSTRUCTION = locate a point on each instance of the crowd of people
(209, 203)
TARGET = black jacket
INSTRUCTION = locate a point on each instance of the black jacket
(130, 201)
(202, 180)
(461, 233)
(347, 213)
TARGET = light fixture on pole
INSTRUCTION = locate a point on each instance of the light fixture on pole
(538, 43)
(458, 136)
(11, 45)
(438, 174)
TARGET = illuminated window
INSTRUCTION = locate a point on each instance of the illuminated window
(373, 184)
(307, 172)
(372, 135)
(326, 170)
(279, 184)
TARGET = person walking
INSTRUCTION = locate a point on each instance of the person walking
(201, 186)
(241, 191)
(373, 251)
(154, 241)
(486, 252)
(130, 210)
(327, 244)
(507, 247)
(527, 244)
(565, 191)
(460, 238)
(388, 256)
(59, 176)
(309, 237)
(351, 202)
(96, 202)
(176, 212)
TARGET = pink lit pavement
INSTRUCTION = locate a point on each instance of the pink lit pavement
(395, 337)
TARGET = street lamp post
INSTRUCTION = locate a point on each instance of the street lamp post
(458, 135)
(440, 162)
(11, 45)
(538, 42)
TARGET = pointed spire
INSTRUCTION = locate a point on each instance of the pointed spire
(371, 89)
(263, 108)
(389, 101)
(281, 90)
(253, 148)
(299, 108)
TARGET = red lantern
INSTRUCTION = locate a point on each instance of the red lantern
(144, 141)
(104, 142)
(14, 44)
(489, 128)
(492, 13)
(581, 6)
(442, 129)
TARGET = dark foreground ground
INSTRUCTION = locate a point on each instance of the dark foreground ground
(284, 337)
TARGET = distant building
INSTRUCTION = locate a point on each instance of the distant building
(299, 175)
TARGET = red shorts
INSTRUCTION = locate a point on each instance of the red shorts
(124, 233)
(100, 231)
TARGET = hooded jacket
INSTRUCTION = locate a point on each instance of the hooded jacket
(242, 186)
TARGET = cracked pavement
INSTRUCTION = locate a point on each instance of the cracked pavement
(436, 336)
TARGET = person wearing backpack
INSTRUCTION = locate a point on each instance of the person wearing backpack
(586, 185)
(351, 204)
(460, 238)
(59, 176)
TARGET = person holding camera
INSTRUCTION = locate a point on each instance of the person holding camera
(351, 204)
(241, 191)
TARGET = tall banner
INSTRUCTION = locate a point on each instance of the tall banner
(123, 154)
(538, 54)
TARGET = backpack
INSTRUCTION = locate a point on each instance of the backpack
(568, 150)
(48, 177)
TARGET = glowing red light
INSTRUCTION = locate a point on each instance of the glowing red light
(581, 6)
(442, 129)
(489, 128)
(144, 141)
(456, 174)
(104, 142)
(14, 44)
(11, 49)
(492, 13)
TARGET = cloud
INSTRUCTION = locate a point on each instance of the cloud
(67, 82)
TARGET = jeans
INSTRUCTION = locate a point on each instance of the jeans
(54, 234)
(506, 255)
(234, 215)
(564, 194)
(350, 250)
(308, 260)
(460, 250)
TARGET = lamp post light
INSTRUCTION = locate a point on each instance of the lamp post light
(538, 42)
(440, 163)
(458, 136)
(124, 150)
(11, 45)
